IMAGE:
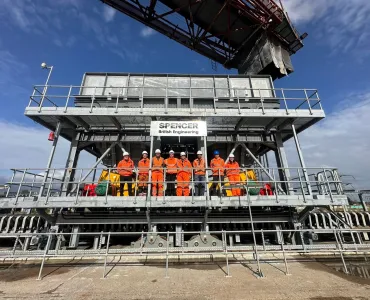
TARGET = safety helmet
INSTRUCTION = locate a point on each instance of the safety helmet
(182, 154)
(199, 152)
(231, 155)
(172, 152)
(126, 153)
(216, 152)
(144, 152)
(157, 151)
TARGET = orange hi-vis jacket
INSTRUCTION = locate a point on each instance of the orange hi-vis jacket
(199, 166)
(184, 166)
(217, 165)
(143, 166)
(232, 168)
(157, 164)
(171, 165)
(125, 167)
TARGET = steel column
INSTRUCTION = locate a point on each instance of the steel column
(282, 163)
(303, 165)
(71, 163)
(51, 156)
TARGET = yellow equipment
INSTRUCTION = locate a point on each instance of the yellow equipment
(114, 179)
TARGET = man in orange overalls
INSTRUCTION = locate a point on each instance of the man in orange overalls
(125, 169)
(143, 174)
(183, 175)
(171, 171)
(217, 164)
(233, 174)
(199, 174)
(157, 174)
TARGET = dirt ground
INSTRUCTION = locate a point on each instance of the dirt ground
(130, 279)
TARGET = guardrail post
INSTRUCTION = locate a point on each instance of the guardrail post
(106, 256)
(44, 256)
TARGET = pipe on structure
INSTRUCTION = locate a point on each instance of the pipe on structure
(51, 156)
(301, 160)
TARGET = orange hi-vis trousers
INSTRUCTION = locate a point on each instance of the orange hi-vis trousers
(157, 183)
(234, 179)
(183, 182)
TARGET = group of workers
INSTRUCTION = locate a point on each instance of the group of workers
(178, 174)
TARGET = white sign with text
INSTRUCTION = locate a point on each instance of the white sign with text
(178, 128)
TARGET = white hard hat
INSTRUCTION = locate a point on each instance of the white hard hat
(199, 152)
(157, 151)
(231, 155)
(144, 152)
(182, 154)
(126, 153)
(171, 151)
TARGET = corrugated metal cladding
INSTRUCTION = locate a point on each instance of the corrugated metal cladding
(175, 86)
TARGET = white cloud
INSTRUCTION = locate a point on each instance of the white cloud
(108, 13)
(341, 140)
(147, 31)
(343, 25)
(57, 42)
(28, 147)
(11, 69)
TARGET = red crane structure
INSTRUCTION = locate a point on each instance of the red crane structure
(253, 36)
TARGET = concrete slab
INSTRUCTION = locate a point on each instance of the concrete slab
(130, 278)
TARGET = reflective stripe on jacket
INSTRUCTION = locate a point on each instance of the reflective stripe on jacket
(157, 164)
(143, 166)
(125, 167)
(184, 166)
(232, 168)
(171, 165)
(217, 164)
(199, 166)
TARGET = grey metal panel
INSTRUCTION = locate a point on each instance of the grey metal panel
(93, 81)
(240, 87)
(262, 83)
(115, 82)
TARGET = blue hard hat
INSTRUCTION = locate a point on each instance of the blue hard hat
(216, 152)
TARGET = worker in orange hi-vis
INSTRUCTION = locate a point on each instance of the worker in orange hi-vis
(143, 174)
(217, 165)
(184, 170)
(125, 169)
(232, 172)
(157, 174)
(199, 165)
(171, 172)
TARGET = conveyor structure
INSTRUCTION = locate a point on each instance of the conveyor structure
(110, 113)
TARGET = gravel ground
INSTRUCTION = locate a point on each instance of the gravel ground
(130, 279)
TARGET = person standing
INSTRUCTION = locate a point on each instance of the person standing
(199, 166)
(157, 174)
(217, 165)
(171, 172)
(143, 174)
(183, 175)
(233, 174)
(125, 170)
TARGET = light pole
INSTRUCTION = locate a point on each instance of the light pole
(50, 68)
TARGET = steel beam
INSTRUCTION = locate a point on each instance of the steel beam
(95, 165)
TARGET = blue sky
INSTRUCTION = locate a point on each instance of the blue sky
(85, 35)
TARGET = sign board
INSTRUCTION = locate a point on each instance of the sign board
(178, 128)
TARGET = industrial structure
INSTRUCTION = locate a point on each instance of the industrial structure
(282, 209)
